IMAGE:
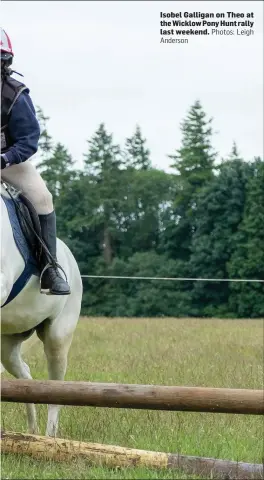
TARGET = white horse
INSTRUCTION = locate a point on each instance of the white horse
(53, 317)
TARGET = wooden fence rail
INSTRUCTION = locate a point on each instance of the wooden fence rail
(151, 397)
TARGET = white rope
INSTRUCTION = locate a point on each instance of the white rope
(177, 279)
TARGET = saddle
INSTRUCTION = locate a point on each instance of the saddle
(27, 235)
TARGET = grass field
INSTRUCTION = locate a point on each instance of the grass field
(191, 352)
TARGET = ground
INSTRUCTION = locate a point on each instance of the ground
(191, 352)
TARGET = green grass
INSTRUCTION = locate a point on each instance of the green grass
(191, 352)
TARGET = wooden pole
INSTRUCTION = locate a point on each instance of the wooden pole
(58, 449)
(152, 397)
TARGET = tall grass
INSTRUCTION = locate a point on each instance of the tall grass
(191, 352)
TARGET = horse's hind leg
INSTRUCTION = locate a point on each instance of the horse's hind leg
(14, 364)
(57, 336)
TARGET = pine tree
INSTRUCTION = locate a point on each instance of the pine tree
(103, 156)
(194, 163)
(247, 261)
(234, 154)
(57, 170)
(137, 155)
(102, 167)
(220, 207)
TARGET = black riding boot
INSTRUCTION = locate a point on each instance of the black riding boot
(52, 282)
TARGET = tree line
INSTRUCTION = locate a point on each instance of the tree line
(120, 216)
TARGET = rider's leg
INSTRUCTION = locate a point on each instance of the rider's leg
(27, 179)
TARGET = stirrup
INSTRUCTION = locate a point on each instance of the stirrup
(50, 265)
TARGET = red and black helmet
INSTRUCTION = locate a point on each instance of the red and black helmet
(6, 48)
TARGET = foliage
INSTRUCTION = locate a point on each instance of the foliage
(247, 261)
(122, 217)
(193, 162)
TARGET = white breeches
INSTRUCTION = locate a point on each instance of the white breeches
(26, 178)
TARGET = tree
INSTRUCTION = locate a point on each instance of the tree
(247, 261)
(234, 154)
(148, 193)
(220, 207)
(138, 298)
(57, 170)
(103, 176)
(137, 155)
(194, 163)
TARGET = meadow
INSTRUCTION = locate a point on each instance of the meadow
(187, 352)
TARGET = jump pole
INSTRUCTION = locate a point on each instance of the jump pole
(151, 397)
(96, 454)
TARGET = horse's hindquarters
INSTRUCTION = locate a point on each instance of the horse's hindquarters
(30, 308)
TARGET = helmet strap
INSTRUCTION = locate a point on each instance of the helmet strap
(7, 71)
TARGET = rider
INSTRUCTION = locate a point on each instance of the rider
(20, 133)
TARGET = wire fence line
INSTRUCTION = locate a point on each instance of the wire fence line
(179, 279)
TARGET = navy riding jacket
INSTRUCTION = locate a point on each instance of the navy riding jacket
(24, 130)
